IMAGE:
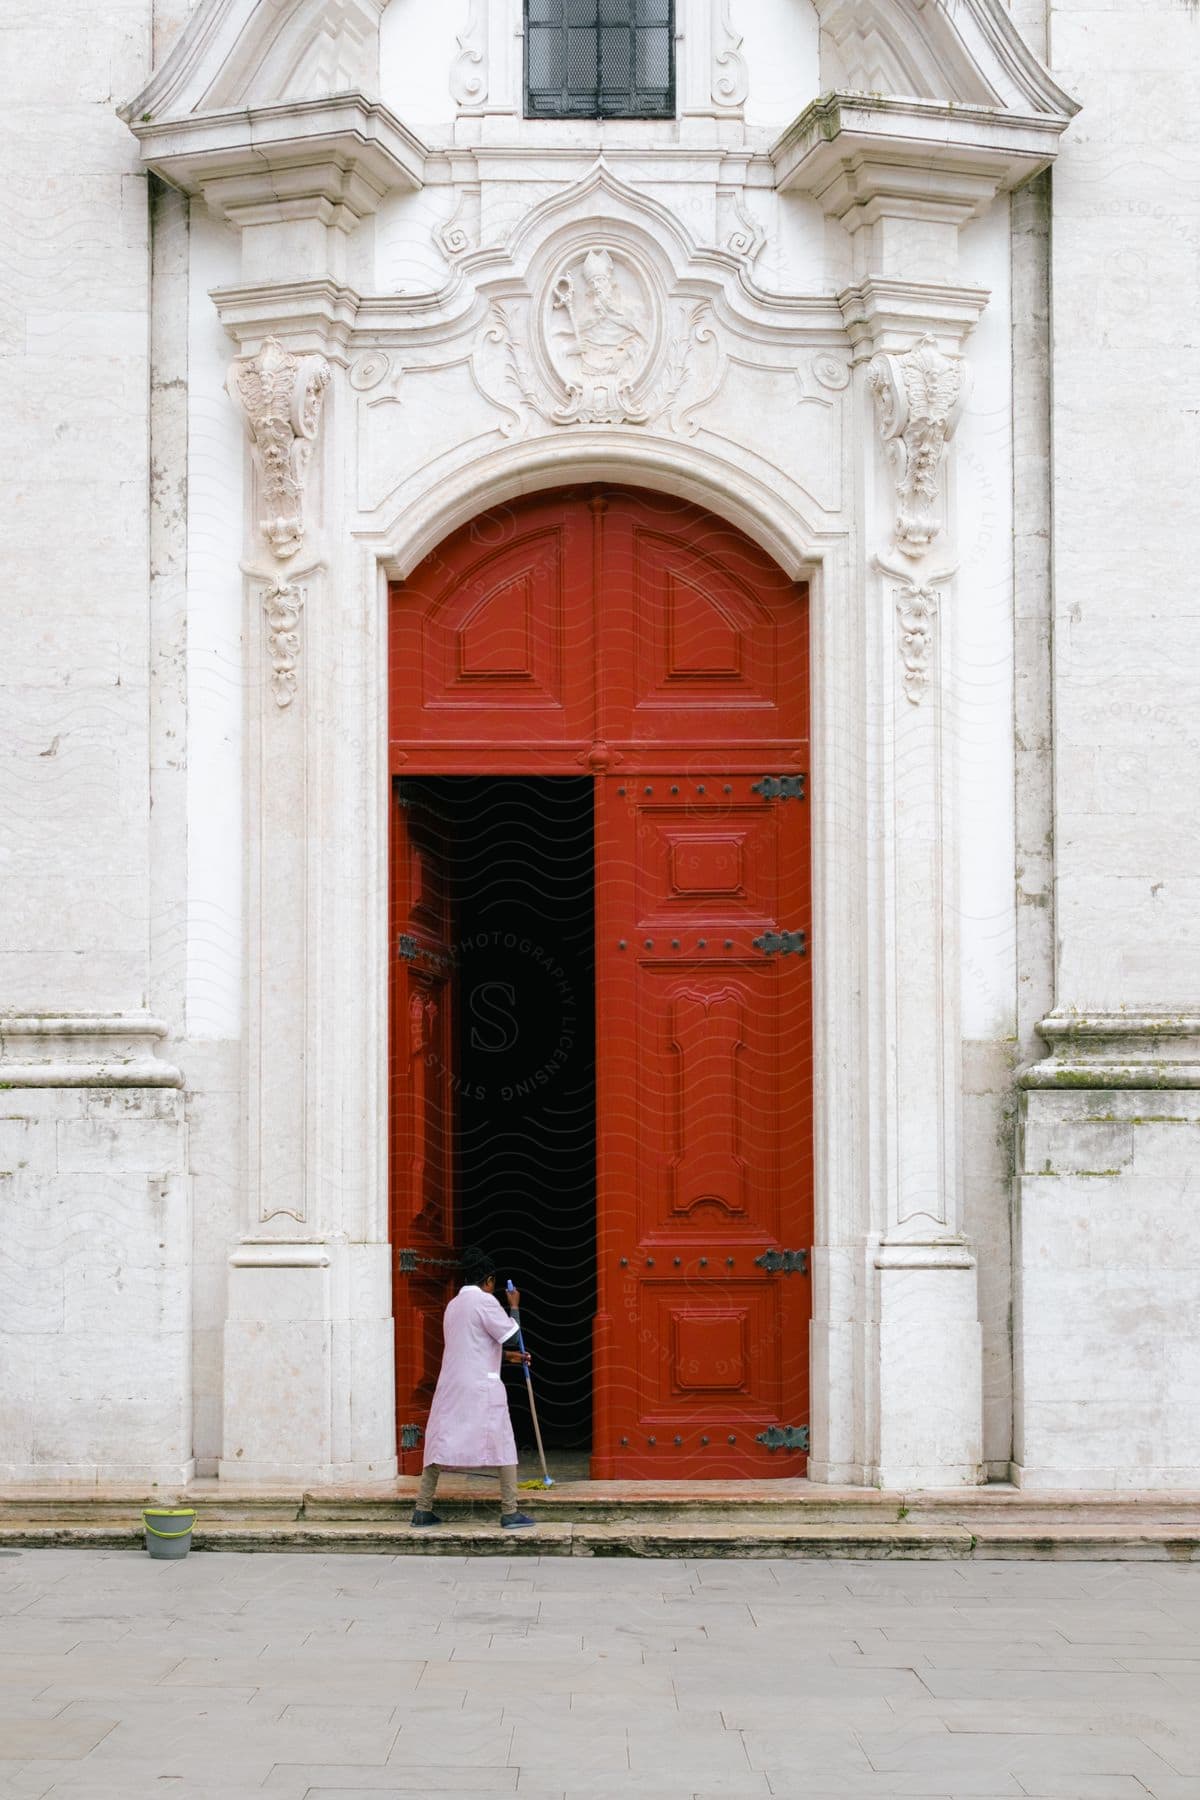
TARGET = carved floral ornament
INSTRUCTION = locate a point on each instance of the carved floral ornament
(281, 396)
(918, 399)
(916, 619)
(283, 602)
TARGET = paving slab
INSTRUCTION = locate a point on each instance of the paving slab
(556, 1678)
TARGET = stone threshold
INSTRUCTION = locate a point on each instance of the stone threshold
(669, 1519)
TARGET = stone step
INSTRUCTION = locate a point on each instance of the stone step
(1143, 1538)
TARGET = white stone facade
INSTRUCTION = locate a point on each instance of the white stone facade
(283, 324)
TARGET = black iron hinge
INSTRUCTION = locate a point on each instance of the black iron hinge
(782, 943)
(408, 950)
(783, 1262)
(409, 1261)
(784, 1437)
(410, 1436)
(781, 787)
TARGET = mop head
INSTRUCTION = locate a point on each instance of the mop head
(543, 1481)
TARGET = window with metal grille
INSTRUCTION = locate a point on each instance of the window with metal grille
(599, 59)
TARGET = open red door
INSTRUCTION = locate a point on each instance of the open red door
(422, 1108)
(704, 1149)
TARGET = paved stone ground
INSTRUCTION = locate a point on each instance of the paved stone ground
(293, 1677)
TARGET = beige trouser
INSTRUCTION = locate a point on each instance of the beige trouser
(429, 1481)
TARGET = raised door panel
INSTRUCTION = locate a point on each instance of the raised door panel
(705, 646)
(705, 1159)
(421, 1110)
(491, 643)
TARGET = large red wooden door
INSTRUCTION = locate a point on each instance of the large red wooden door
(646, 641)
(422, 1117)
(704, 1173)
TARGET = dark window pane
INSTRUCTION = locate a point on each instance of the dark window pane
(580, 12)
(614, 59)
(653, 12)
(653, 59)
(614, 12)
(581, 61)
(545, 12)
(546, 64)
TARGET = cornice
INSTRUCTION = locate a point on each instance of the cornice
(1101, 1049)
(978, 149)
(319, 314)
(345, 149)
(882, 313)
(50, 1050)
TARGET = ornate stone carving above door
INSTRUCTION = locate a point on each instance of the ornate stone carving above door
(281, 396)
(918, 400)
(600, 330)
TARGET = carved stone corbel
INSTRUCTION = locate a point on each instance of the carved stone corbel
(281, 396)
(918, 399)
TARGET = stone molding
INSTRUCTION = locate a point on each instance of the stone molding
(281, 398)
(1140, 1049)
(280, 1253)
(83, 1050)
(902, 176)
(332, 158)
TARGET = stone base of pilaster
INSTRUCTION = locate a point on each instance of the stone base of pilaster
(930, 1367)
(309, 1358)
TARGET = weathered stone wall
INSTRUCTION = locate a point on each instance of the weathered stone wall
(1108, 1278)
(95, 1253)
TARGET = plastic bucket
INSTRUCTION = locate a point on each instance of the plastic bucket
(168, 1530)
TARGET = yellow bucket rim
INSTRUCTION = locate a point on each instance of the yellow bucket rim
(168, 1512)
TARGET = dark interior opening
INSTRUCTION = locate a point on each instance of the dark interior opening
(521, 883)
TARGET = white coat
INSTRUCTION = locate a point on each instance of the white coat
(469, 1426)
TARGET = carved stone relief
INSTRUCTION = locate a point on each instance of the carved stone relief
(918, 400)
(730, 76)
(468, 72)
(916, 618)
(281, 396)
(748, 235)
(606, 353)
(283, 602)
(600, 332)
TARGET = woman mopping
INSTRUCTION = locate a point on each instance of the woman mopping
(469, 1427)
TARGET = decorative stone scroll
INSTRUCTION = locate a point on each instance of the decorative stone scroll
(468, 71)
(730, 76)
(283, 602)
(918, 399)
(281, 395)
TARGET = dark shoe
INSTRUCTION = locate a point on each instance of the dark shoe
(516, 1521)
(426, 1518)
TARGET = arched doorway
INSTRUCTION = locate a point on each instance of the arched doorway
(600, 869)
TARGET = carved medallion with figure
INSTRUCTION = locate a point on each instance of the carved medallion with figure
(600, 336)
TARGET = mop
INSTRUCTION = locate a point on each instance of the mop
(547, 1479)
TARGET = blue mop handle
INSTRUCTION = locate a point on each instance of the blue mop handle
(516, 1313)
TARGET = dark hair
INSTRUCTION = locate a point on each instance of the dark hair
(477, 1265)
